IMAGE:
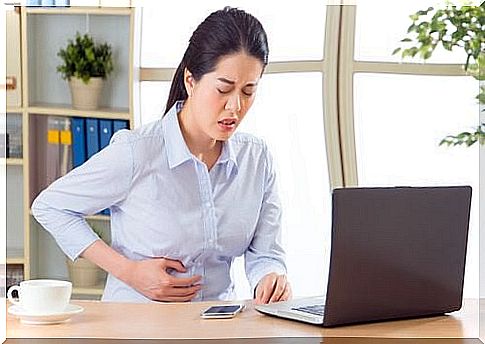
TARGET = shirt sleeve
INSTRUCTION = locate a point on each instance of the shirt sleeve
(99, 183)
(265, 253)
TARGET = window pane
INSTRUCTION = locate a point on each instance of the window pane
(379, 29)
(154, 96)
(399, 122)
(288, 115)
(167, 27)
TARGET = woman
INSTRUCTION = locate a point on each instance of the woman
(187, 194)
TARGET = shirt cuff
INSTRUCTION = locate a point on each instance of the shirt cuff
(74, 248)
(262, 270)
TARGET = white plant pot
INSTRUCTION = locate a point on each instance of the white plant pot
(86, 96)
(83, 273)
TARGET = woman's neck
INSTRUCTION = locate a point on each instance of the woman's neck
(200, 145)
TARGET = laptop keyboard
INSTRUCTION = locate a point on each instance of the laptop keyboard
(313, 309)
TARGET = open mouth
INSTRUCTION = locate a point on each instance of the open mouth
(227, 123)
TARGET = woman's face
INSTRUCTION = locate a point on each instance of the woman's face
(220, 99)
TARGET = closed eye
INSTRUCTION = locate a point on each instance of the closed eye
(248, 94)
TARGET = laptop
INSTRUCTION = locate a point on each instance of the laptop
(396, 252)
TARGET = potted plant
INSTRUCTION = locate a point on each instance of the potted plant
(82, 272)
(86, 65)
(459, 27)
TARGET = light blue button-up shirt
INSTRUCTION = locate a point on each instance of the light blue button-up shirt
(164, 202)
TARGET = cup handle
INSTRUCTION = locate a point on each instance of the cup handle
(10, 296)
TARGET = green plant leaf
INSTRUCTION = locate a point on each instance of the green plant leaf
(83, 58)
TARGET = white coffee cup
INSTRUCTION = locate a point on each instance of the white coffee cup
(42, 296)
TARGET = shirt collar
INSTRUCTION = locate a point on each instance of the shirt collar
(228, 157)
(177, 150)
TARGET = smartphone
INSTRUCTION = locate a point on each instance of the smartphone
(221, 311)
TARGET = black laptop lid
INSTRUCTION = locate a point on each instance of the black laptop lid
(396, 252)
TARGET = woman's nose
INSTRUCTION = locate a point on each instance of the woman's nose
(234, 103)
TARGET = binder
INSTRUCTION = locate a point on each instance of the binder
(105, 132)
(52, 157)
(119, 124)
(92, 137)
(78, 128)
(65, 145)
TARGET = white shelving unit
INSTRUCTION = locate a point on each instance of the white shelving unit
(44, 93)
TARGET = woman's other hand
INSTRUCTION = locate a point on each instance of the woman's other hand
(151, 278)
(271, 288)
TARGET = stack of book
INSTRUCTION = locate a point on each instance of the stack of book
(60, 144)
(89, 136)
(47, 3)
(13, 137)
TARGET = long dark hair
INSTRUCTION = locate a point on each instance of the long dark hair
(222, 33)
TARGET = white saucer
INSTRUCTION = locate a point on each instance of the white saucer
(44, 319)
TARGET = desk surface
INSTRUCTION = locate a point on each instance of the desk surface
(181, 321)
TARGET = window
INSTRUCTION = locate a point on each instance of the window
(291, 36)
(399, 122)
(402, 110)
(377, 35)
(154, 95)
(288, 114)
(388, 111)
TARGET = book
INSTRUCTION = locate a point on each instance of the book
(14, 131)
(52, 157)
(119, 124)
(92, 137)
(78, 130)
(65, 136)
(105, 132)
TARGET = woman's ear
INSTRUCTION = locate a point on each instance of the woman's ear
(189, 82)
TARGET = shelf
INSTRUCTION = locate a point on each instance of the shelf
(67, 111)
(17, 260)
(15, 256)
(11, 161)
(96, 290)
(105, 11)
(14, 109)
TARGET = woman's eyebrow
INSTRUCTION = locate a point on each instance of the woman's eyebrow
(226, 81)
(230, 82)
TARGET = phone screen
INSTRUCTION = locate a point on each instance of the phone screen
(222, 309)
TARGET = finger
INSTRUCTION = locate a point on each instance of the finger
(166, 298)
(279, 289)
(173, 264)
(286, 294)
(182, 291)
(258, 294)
(182, 281)
(268, 287)
(179, 298)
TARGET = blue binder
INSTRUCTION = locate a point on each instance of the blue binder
(119, 124)
(105, 132)
(92, 137)
(78, 130)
